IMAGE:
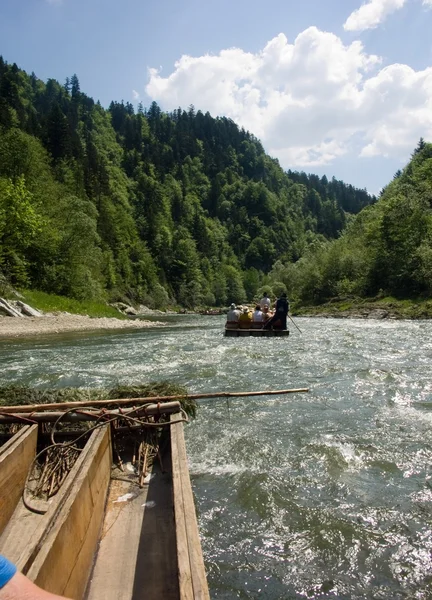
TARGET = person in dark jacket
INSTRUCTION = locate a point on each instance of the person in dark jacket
(279, 319)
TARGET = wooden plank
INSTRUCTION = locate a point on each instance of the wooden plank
(117, 556)
(188, 526)
(199, 579)
(156, 566)
(137, 558)
(12, 439)
(16, 456)
(184, 570)
(63, 562)
(21, 535)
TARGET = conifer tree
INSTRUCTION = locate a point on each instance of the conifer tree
(57, 133)
(75, 86)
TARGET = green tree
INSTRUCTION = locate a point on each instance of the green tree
(57, 133)
(20, 222)
(251, 283)
(234, 285)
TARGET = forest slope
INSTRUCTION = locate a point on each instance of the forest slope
(386, 250)
(158, 208)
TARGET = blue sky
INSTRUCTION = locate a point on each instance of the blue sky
(341, 87)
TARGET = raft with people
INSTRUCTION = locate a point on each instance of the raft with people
(260, 322)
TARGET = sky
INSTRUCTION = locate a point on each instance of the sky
(335, 87)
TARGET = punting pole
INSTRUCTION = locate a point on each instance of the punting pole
(294, 323)
(29, 408)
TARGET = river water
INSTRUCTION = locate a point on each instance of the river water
(325, 494)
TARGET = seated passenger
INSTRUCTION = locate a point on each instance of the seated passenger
(257, 315)
(233, 313)
(266, 312)
(245, 318)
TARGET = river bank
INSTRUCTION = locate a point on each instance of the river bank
(63, 322)
(373, 308)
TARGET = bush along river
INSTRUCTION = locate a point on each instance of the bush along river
(325, 494)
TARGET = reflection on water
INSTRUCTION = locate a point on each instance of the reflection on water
(319, 495)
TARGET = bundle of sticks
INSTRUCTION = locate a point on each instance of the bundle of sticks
(47, 479)
(52, 465)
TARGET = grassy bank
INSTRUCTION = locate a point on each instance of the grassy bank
(362, 307)
(52, 303)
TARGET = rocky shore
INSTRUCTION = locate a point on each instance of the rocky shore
(377, 313)
(370, 309)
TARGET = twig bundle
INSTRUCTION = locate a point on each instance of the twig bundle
(58, 462)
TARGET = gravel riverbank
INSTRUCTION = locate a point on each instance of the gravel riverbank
(12, 327)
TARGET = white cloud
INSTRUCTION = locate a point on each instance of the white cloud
(310, 101)
(372, 14)
(427, 3)
(135, 95)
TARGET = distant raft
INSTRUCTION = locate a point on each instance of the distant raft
(237, 329)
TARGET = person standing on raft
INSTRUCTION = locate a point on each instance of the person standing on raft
(265, 300)
(280, 315)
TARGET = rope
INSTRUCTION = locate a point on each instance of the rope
(18, 416)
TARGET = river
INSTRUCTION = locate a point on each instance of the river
(325, 494)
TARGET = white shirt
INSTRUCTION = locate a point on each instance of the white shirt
(233, 315)
(257, 316)
(265, 301)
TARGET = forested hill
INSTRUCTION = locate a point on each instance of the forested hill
(160, 208)
(386, 250)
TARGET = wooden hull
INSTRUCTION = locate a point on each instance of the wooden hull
(92, 542)
(56, 549)
(16, 457)
(256, 332)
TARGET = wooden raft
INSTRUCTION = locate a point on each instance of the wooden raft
(91, 543)
(256, 332)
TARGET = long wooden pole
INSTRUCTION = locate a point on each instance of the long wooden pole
(295, 324)
(29, 408)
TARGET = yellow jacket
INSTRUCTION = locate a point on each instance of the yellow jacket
(245, 317)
